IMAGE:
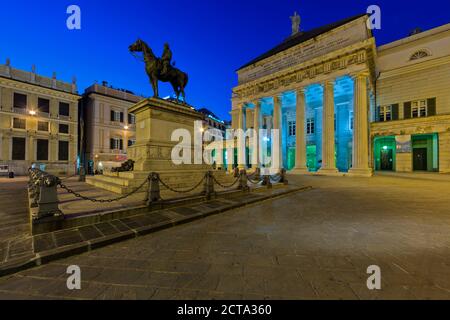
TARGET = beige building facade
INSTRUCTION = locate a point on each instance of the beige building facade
(411, 127)
(109, 128)
(38, 122)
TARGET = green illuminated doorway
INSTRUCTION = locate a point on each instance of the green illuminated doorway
(311, 158)
(291, 158)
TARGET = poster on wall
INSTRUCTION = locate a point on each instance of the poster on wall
(403, 144)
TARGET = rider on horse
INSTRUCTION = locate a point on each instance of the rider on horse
(166, 58)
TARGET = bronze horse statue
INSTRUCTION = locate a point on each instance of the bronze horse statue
(154, 67)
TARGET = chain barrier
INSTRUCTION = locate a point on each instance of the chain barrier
(226, 186)
(181, 191)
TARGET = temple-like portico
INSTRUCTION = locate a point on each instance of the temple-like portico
(316, 90)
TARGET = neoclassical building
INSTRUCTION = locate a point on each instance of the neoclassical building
(344, 106)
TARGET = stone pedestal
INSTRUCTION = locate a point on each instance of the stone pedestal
(156, 120)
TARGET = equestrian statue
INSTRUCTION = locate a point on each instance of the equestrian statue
(161, 69)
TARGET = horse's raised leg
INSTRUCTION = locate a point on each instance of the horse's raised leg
(154, 83)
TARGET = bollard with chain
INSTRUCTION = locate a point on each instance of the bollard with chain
(236, 172)
(267, 182)
(209, 185)
(283, 178)
(154, 193)
(243, 180)
(48, 197)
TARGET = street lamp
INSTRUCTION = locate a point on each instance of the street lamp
(32, 112)
(126, 127)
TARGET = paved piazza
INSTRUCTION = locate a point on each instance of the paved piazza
(309, 245)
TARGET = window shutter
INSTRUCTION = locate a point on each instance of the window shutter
(121, 144)
(377, 114)
(431, 107)
(112, 115)
(121, 117)
(407, 110)
(111, 144)
(395, 111)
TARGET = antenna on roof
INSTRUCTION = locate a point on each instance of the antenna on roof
(415, 31)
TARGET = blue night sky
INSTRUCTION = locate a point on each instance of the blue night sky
(210, 39)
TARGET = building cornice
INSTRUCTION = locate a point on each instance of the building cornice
(34, 88)
(414, 67)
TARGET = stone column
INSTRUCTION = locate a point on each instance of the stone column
(256, 139)
(328, 145)
(360, 166)
(241, 147)
(300, 136)
(277, 155)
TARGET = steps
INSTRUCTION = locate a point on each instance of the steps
(125, 182)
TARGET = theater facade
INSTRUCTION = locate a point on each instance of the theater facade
(347, 107)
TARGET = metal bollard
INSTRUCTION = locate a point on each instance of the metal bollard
(236, 172)
(209, 185)
(243, 180)
(48, 197)
(154, 193)
(267, 182)
(257, 173)
(283, 179)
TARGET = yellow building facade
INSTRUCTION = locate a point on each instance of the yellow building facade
(38, 122)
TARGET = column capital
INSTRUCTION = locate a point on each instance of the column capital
(277, 98)
(257, 102)
(328, 82)
(359, 74)
(301, 90)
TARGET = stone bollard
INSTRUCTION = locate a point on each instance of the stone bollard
(236, 172)
(48, 197)
(209, 185)
(267, 182)
(243, 180)
(257, 173)
(283, 178)
(154, 193)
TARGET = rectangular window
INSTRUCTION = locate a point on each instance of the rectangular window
(131, 118)
(385, 113)
(116, 116)
(64, 109)
(63, 128)
(291, 128)
(19, 123)
(63, 150)
(42, 150)
(42, 126)
(310, 126)
(43, 105)
(419, 108)
(20, 101)
(18, 148)
(131, 142)
(116, 144)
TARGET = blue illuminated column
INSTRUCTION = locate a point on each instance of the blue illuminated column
(256, 139)
(277, 156)
(328, 145)
(300, 137)
(242, 154)
(361, 165)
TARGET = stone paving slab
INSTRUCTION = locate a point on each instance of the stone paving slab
(35, 250)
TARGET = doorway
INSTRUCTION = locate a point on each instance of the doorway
(386, 160)
(420, 159)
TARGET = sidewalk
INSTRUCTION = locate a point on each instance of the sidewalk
(19, 254)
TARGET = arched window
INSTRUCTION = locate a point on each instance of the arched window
(419, 55)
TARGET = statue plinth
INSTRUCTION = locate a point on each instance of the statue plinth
(156, 120)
